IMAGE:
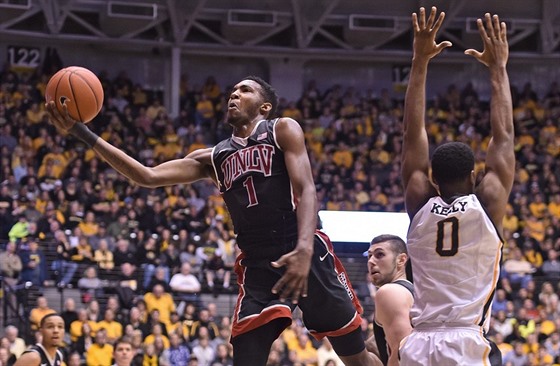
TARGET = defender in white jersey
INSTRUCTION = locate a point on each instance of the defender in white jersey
(454, 239)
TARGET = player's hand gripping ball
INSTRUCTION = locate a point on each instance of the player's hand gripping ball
(79, 89)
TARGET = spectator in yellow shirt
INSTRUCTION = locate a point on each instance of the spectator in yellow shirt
(538, 206)
(104, 257)
(76, 327)
(35, 113)
(162, 301)
(58, 159)
(510, 221)
(89, 226)
(157, 332)
(292, 111)
(114, 329)
(38, 312)
(306, 354)
(343, 156)
(100, 353)
(211, 89)
(554, 205)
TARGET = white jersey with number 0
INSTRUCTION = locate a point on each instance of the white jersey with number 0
(455, 253)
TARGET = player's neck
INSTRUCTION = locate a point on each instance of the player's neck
(50, 350)
(399, 276)
(450, 192)
(246, 129)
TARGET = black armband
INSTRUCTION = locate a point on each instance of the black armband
(80, 131)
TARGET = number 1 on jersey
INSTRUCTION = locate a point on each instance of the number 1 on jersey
(251, 192)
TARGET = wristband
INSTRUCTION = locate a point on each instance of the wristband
(83, 133)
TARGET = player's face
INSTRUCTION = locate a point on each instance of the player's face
(123, 354)
(382, 263)
(244, 102)
(53, 331)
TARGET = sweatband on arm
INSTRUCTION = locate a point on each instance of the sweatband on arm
(80, 131)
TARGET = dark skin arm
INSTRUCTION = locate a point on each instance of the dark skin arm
(195, 166)
(495, 187)
(293, 283)
(415, 157)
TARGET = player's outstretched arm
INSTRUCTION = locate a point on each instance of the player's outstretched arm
(294, 282)
(415, 158)
(193, 167)
(496, 185)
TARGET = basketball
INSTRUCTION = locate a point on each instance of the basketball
(80, 89)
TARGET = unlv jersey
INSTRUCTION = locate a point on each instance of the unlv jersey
(455, 252)
(254, 182)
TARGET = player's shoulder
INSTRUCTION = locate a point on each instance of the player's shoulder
(287, 130)
(392, 293)
(30, 357)
(285, 122)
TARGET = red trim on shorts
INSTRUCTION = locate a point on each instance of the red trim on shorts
(352, 326)
(258, 320)
(254, 321)
(339, 268)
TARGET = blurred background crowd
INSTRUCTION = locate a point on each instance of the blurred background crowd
(141, 259)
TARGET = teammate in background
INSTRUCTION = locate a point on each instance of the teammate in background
(123, 352)
(46, 353)
(264, 174)
(454, 240)
(387, 258)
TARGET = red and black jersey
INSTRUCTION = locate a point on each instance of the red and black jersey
(255, 184)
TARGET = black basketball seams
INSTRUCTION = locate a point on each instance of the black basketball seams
(74, 95)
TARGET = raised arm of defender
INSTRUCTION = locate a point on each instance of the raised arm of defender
(496, 185)
(415, 156)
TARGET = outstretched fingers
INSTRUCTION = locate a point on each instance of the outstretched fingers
(503, 32)
(415, 25)
(431, 18)
(422, 18)
(439, 21)
(482, 30)
(496, 26)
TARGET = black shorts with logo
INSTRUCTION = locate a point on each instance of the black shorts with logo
(331, 307)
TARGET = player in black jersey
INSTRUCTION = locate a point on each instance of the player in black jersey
(387, 258)
(264, 174)
(46, 353)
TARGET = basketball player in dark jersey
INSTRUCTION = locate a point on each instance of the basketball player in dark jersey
(46, 353)
(264, 174)
(387, 259)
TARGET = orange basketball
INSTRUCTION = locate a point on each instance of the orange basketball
(80, 89)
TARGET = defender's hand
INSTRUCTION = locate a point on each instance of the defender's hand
(494, 38)
(425, 33)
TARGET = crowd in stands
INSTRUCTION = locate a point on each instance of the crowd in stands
(141, 257)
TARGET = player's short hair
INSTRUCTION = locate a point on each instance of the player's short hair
(398, 245)
(44, 319)
(123, 340)
(452, 162)
(268, 93)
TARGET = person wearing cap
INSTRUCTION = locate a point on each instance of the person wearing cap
(387, 258)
